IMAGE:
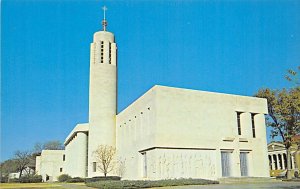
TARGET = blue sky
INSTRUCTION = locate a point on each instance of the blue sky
(231, 47)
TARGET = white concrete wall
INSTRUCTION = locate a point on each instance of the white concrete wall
(38, 165)
(102, 96)
(75, 163)
(135, 131)
(204, 119)
(50, 163)
(184, 119)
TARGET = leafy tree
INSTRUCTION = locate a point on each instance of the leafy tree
(104, 156)
(7, 167)
(293, 76)
(284, 114)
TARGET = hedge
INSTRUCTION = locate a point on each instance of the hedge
(28, 179)
(148, 184)
(75, 179)
(95, 179)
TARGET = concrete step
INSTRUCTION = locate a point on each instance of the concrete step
(229, 180)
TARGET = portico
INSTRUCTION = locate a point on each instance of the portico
(277, 155)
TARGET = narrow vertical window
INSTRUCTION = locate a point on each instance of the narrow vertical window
(102, 49)
(60, 170)
(109, 53)
(64, 157)
(94, 166)
(253, 124)
(238, 114)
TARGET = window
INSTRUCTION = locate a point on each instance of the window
(110, 53)
(226, 162)
(239, 122)
(64, 157)
(253, 124)
(94, 166)
(60, 169)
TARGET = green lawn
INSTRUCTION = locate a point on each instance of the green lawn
(31, 185)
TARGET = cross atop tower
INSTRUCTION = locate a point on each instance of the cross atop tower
(104, 9)
(104, 22)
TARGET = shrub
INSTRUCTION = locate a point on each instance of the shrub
(148, 184)
(75, 179)
(14, 180)
(63, 177)
(27, 179)
(3, 179)
(95, 179)
(31, 179)
(296, 174)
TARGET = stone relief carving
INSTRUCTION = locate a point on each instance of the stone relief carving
(185, 164)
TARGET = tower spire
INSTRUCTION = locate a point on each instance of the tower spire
(104, 22)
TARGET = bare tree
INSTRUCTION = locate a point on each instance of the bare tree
(49, 145)
(22, 159)
(38, 147)
(104, 156)
(53, 145)
(121, 168)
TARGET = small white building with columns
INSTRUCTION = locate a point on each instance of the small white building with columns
(167, 132)
(277, 155)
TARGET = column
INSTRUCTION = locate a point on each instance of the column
(293, 161)
(278, 163)
(273, 162)
(270, 162)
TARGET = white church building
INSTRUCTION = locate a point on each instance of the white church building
(166, 133)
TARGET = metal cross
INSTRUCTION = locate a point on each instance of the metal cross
(104, 9)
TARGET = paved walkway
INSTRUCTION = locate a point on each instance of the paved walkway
(269, 185)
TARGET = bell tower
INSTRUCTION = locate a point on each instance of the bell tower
(102, 93)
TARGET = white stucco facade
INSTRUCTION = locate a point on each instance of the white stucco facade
(50, 164)
(167, 132)
(76, 148)
(183, 132)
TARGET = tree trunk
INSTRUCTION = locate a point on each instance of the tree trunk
(20, 174)
(105, 174)
(289, 164)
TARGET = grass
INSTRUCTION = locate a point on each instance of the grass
(31, 185)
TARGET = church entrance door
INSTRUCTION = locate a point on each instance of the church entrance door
(226, 163)
(244, 163)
